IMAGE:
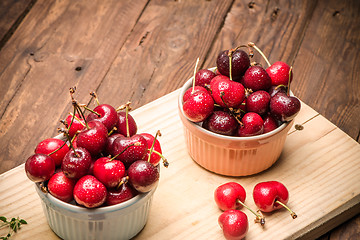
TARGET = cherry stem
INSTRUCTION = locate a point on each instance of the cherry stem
(75, 117)
(124, 180)
(251, 44)
(158, 133)
(93, 94)
(76, 105)
(165, 161)
(196, 65)
(112, 130)
(126, 148)
(259, 218)
(90, 110)
(288, 90)
(127, 121)
(293, 214)
(230, 64)
(66, 133)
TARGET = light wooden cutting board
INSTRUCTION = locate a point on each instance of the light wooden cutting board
(320, 165)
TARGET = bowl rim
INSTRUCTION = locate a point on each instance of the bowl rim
(188, 84)
(98, 210)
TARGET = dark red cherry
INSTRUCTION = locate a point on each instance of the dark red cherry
(221, 122)
(275, 89)
(76, 163)
(203, 77)
(239, 64)
(270, 123)
(121, 124)
(39, 167)
(256, 78)
(258, 102)
(143, 176)
(284, 107)
(132, 153)
(106, 114)
(124, 193)
(253, 125)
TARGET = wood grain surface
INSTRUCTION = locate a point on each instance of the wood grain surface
(319, 165)
(143, 49)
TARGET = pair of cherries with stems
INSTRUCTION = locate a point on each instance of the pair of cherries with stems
(230, 197)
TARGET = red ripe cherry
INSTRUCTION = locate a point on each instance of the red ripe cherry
(279, 73)
(93, 138)
(124, 193)
(61, 187)
(89, 192)
(198, 106)
(155, 158)
(143, 176)
(270, 123)
(203, 77)
(253, 125)
(76, 163)
(109, 171)
(258, 102)
(284, 107)
(227, 93)
(234, 224)
(239, 63)
(192, 90)
(39, 167)
(76, 125)
(121, 124)
(270, 196)
(256, 78)
(49, 145)
(229, 195)
(106, 114)
(221, 122)
(132, 153)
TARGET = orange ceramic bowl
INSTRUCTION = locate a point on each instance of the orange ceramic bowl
(228, 155)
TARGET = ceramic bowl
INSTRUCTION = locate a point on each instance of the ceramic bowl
(228, 155)
(121, 221)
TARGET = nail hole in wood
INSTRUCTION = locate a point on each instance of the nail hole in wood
(251, 4)
(336, 13)
(275, 13)
(299, 127)
(78, 69)
(31, 54)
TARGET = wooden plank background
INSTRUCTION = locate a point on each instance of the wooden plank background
(143, 49)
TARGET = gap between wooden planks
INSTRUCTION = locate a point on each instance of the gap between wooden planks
(319, 165)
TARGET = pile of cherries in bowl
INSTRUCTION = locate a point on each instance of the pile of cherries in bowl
(98, 159)
(240, 98)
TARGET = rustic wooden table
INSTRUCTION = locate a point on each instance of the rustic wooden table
(141, 50)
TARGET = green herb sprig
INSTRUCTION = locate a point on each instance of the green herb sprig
(13, 225)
